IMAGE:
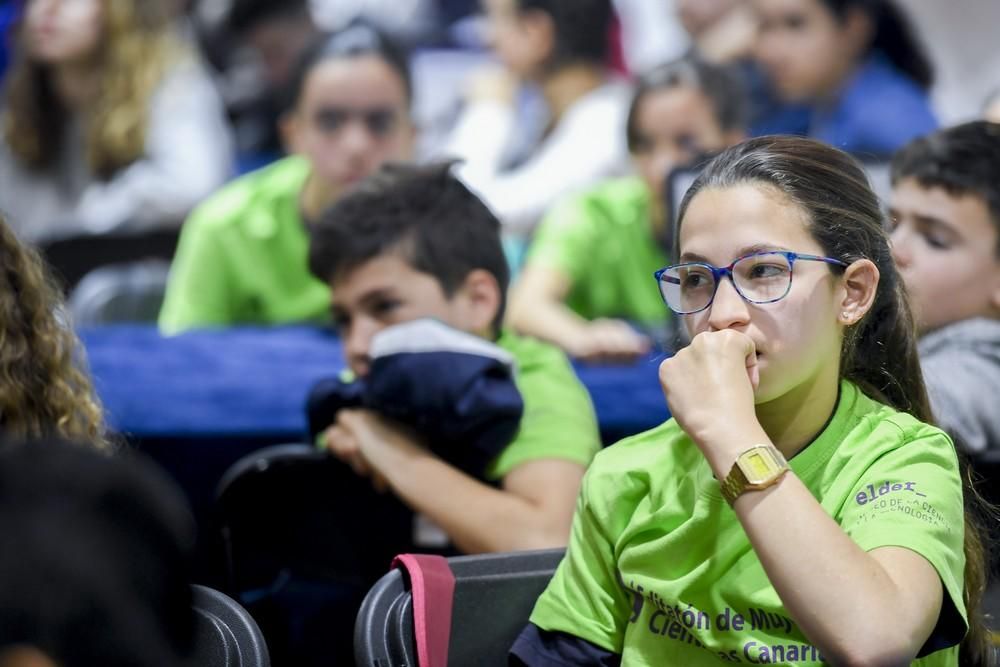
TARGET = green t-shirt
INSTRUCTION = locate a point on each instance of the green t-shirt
(660, 570)
(243, 257)
(602, 241)
(559, 420)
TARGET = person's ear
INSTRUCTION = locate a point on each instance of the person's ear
(290, 131)
(859, 285)
(479, 301)
(857, 31)
(540, 33)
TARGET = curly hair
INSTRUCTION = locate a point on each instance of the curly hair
(136, 48)
(45, 389)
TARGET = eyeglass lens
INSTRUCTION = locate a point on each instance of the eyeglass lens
(759, 278)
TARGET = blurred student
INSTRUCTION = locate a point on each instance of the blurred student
(561, 46)
(585, 285)
(110, 121)
(95, 560)
(855, 64)
(45, 389)
(274, 33)
(945, 217)
(242, 257)
(412, 243)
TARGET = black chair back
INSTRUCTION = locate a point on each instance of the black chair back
(494, 596)
(303, 540)
(225, 634)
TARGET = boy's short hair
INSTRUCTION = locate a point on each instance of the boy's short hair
(423, 213)
(964, 160)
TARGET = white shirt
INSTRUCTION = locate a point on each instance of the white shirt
(588, 145)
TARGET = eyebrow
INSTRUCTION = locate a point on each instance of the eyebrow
(742, 252)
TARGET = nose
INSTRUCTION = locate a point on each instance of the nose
(900, 246)
(728, 310)
(664, 162)
(356, 139)
(357, 344)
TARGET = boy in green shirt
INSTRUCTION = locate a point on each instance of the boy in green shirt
(411, 243)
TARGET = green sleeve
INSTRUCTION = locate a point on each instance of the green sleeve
(565, 239)
(912, 498)
(585, 598)
(199, 291)
(558, 421)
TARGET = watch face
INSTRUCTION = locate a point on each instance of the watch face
(759, 465)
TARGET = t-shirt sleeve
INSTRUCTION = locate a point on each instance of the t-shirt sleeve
(585, 598)
(558, 420)
(198, 293)
(912, 498)
(565, 239)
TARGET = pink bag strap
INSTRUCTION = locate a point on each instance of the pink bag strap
(432, 585)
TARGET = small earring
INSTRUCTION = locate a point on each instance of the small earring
(846, 317)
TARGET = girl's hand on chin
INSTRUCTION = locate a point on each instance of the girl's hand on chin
(709, 386)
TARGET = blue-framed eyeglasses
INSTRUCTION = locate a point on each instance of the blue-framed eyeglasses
(760, 277)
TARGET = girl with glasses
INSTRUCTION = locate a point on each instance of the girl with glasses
(799, 507)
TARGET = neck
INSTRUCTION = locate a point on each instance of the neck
(838, 79)
(563, 87)
(315, 198)
(75, 84)
(794, 420)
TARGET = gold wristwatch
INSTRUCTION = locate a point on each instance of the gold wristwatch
(757, 468)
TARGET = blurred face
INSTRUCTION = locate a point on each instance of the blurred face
(946, 249)
(515, 37)
(352, 116)
(63, 31)
(384, 291)
(797, 338)
(673, 127)
(279, 43)
(697, 16)
(805, 50)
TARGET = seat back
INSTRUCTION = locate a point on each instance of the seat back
(303, 539)
(494, 596)
(130, 292)
(73, 257)
(225, 634)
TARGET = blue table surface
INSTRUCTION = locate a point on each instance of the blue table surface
(254, 382)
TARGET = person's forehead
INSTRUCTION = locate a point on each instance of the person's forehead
(357, 80)
(966, 210)
(720, 222)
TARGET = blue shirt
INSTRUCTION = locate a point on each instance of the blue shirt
(876, 113)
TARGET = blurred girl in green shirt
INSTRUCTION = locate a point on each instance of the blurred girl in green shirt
(586, 282)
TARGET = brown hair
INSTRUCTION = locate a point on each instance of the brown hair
(136, 47)
(879, 353)
(44, 387)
